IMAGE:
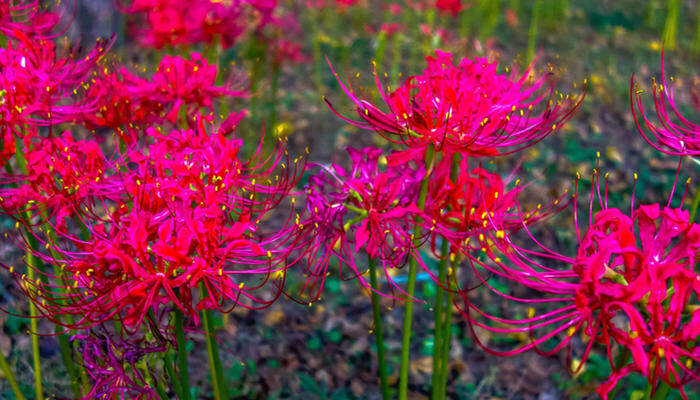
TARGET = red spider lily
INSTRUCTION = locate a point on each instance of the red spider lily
(468, 109)
(179, 88)
(117, 368)
(633, 290)
(163, 23)
(476, 201)
(190, 84)
(26, 16)
(62, 174)
(364, 209)
(186, 217)
(450, 6)
(41, 87)
(674, 134)
(125, 104)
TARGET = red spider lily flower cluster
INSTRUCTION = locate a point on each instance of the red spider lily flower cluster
(367, 208)
(41, 85)
(118, 368)
(476, 200)
(631, 284)
(161, 23)
(674, 133)
(62, 174)
(468, 109)
(180, 88)
(27, 17)
(166, 221)
(453, 7)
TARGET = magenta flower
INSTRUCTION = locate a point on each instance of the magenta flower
(125, 104)
(62, 175)
(365, 209)
(161, 23)
(41, 86)
(477, 200)
(27, 17)
(117, 368)
(615, 290)
(187, 215)
(673, 134)
(468, 109)
(190, 83)
(453, 7)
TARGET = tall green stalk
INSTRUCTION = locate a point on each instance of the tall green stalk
(661, 391)
(411, 286)
(32, 264)
(7, 371)
(696, 40)
(671, 26)
(216, 372)
(441, 342)
(182, 355)
(447, 331)
(694, 204)
(33, 324)
(168, 362)
(438, 318)
(534, 30)
(74, 370)
(378, 330)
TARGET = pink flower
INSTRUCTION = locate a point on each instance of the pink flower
(617, 289)
(468, 109)
(366, 209)
(449, 6)
(187, 214)
(191, 84)
(674, 133)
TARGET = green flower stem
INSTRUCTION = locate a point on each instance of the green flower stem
(396, 56)
(381, 48)
(447, 332)
(694, 204)
(168, 362)
(378, 330)
(411, 286)
(533, 32)
(67, 357)
(182, 355)
(438, 330)
(661, 391)
(160, 390)
(696, 41)
(7, 371)
(441, 342)
(33, 325)
(671, 26)
(217, 376)
(32, 263)
(74, 369)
